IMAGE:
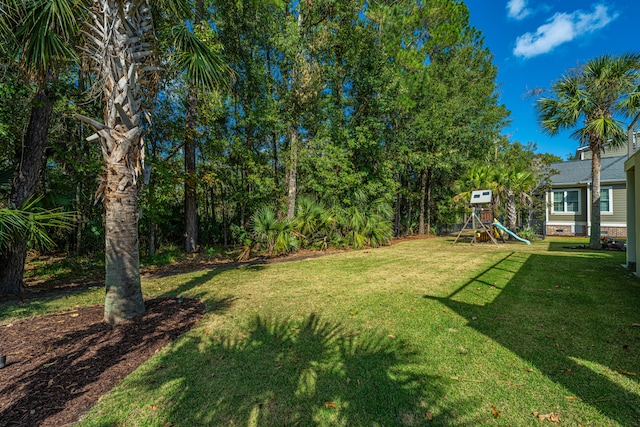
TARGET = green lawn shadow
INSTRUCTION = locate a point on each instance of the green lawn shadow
(574, 329)
(285, 373)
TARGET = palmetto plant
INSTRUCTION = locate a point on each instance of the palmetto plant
(513, 185)
(275, 234)
(313, 223)
(366, 223)
(477, 178)
(30, 223)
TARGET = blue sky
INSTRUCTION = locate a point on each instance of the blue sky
(536, 42)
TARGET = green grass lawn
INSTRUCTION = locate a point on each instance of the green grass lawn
(419, 333)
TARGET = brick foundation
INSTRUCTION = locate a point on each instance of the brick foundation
(614, 232)
(565, 230)
(561, 230)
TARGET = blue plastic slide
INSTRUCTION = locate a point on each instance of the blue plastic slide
(506, 230)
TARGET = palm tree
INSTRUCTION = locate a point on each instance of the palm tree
(591, 96)
(38, 36)
(123, 38)
(512, 184)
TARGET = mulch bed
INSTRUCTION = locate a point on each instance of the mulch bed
(59, 365)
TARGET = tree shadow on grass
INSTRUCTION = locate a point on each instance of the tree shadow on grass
(575, 326)
(195, 282)
(286, 373)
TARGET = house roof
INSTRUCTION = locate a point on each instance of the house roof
(579, 171)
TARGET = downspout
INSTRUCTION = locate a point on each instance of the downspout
(547, 207)
(588, 209)
(631, 136)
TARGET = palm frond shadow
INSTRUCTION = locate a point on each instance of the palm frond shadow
(302, 373)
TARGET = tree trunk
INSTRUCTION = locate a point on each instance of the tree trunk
(225, 235)
(191, 181)
(594, 240)
(408, 230)
(294, 132)
(122, 282)
(428, 202)
(125, 83)
(153, 237)
(274, 153)
(423, 191)
(25, 181)
(512, 215)
(397, 221)
(293, 149)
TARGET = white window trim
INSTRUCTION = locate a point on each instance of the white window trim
(564, 190)
(610, 211)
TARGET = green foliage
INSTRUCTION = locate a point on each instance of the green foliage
(31, 222)
(366, 223)
(313, 223)
(272, 234)
(380, 95)
(41, 33)
(527, 233)
(204, 66)
(168, 254)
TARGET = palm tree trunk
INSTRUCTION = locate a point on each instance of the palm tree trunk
(512, 214)
(24, 186)
(119, 47)
(594, 240)
(122, 282)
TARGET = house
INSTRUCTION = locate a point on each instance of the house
(632, 171)
(568, 201)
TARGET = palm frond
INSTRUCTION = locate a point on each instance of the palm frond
(178, 10)
(608, 129)
(31, 222)
(46, 32)
(204, 66)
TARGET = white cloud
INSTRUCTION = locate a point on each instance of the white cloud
(517, 9)
(562, 28)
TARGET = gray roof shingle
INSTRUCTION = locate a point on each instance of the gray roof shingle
(579, 171)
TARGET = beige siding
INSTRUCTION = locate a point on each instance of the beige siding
(608, 152)
(619, 205)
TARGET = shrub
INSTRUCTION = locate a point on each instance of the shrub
(527, 233)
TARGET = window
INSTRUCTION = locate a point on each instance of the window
(566, 201)
(606, 200)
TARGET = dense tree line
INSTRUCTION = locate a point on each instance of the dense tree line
(273, 125)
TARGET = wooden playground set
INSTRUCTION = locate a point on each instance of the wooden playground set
(484, 225)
